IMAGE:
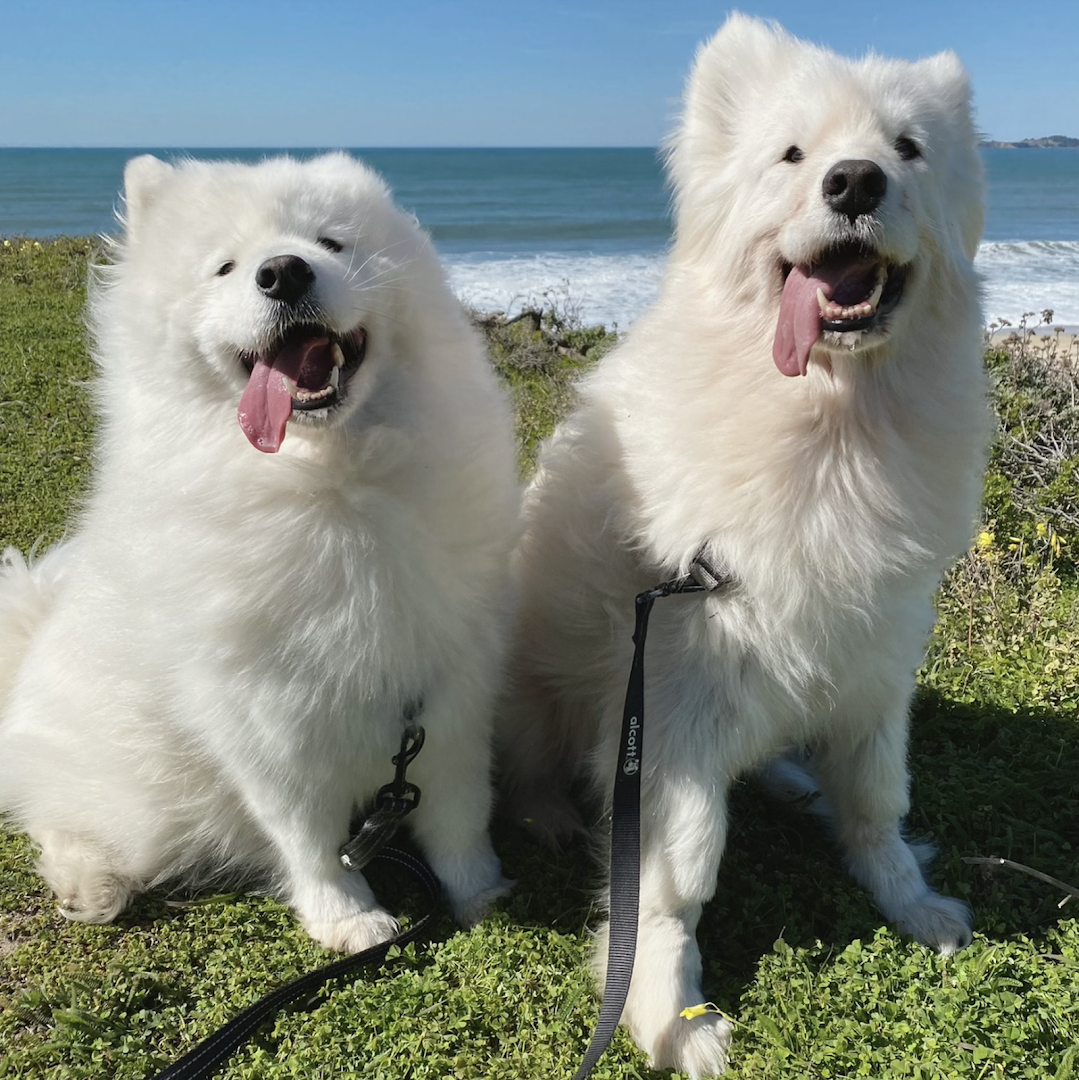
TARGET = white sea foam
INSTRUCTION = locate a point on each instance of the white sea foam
(611, 290)
(1020, 276)
(1031, 275)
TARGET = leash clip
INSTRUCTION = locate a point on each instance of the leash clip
(393, 803)
(703, 576)
(401, 793)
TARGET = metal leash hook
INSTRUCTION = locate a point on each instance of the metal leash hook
(393, 803)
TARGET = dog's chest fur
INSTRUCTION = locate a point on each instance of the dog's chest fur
(836, 502)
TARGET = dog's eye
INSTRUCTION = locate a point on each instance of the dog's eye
(225, 268)
(793, 155)
(907, 149)
(329, 244)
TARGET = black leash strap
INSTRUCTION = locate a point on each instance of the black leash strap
(208, 1055)
(625, 866)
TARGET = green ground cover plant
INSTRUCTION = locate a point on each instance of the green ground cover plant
(795, 952)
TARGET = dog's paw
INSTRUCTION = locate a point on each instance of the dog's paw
(86, 888)
(352, 933)
(941, 922)
(472, 883)
(471, 880)
(788, 781)
(696, 1047)
(472, 909)
(95, 900)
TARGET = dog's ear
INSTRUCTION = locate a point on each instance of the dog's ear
(743, 60)
(733, 66)
(949, 84)
(143, 177)
(950, 81)
(740, 55)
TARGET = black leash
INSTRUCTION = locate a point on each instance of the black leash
(209, 1054)
(399, 798)
(625, 865)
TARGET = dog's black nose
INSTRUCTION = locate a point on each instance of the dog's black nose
(284, 277)
(854, 187)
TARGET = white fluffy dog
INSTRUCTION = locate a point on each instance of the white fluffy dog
(298, 530)
(805, 403)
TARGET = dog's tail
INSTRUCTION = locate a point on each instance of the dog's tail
(27, 589)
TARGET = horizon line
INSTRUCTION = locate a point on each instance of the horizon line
(317, 146)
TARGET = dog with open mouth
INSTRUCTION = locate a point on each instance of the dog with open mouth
(805, 408)
(295, 545)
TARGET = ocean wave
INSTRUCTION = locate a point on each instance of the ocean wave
(611, 290)
(1019, 276)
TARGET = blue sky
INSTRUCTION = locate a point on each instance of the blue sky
(365, 73)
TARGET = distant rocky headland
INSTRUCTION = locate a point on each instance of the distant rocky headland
(1049, 142)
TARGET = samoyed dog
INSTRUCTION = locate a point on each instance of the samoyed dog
(297, 537)
(805, 407)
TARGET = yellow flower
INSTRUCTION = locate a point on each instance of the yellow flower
(1042, 529)
(985, 540)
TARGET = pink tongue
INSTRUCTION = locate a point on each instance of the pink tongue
(266, 403)
(799, 322)
(265, 407)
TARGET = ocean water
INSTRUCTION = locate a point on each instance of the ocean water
(587, 228)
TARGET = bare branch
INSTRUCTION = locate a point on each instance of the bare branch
(994, 860)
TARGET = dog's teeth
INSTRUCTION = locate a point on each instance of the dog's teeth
(338, 356)
(875, 296)
(335, 375)
(822, 300)
(293, 389)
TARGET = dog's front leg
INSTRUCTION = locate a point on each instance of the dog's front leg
(454, 776)
(865, 782)
(684, 826)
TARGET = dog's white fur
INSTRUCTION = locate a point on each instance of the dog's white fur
(836, 499)
(212, 672)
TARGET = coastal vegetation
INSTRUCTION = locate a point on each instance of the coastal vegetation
(797, 955)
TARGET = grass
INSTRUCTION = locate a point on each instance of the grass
(794, 951)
